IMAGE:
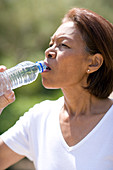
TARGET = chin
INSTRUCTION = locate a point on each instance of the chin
(49, 86)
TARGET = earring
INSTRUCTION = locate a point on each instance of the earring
(88, 70)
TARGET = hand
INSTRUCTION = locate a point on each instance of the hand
(8, 97)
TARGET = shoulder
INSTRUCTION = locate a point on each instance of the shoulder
(36, 116)
(41, 110)
(46, 106)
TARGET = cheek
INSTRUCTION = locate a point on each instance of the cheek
(73, 70)
(67, 65)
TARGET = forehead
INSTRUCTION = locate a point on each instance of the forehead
(67, 29)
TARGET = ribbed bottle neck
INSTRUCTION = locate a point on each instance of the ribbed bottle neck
(41, 66)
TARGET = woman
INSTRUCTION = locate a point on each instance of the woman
(74, 132)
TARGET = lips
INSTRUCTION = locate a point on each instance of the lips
(48, 68)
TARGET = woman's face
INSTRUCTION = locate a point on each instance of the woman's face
(66, 58)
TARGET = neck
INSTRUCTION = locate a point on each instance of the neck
(80, 102)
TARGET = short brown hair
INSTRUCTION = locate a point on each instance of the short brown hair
(97, 33)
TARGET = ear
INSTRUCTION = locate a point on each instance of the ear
(94, 63)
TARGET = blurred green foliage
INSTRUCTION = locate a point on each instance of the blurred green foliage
(25, 28)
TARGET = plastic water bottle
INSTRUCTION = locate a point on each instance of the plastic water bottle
(22, 74)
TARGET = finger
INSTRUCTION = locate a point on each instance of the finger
(2, 68)
(10, 96)
(3, 102)
(7, 99)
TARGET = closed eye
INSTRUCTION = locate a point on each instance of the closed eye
(64, 45)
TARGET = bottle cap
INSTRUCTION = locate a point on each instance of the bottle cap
(41, 65)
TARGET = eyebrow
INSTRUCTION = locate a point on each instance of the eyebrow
(60, 37)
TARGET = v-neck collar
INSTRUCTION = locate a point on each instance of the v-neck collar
(93, 131)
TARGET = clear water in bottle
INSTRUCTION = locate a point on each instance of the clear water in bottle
(22, 74)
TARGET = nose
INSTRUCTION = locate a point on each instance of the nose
(50, 53)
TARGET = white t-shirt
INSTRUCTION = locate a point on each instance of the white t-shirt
(37, 135)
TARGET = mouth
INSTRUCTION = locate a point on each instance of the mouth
(47, 68)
